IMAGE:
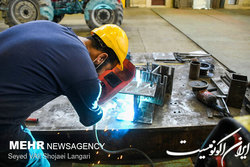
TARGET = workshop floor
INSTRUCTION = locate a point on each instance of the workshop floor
(223, 33)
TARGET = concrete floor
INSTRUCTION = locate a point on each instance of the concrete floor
(223, 33)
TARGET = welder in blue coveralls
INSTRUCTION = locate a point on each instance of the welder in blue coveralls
(42, 60)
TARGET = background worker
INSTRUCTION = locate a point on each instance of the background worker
(42, 60)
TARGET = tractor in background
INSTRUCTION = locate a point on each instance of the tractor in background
(96, 12)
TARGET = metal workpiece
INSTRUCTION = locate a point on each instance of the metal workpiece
(247, 99)
(222, 86)
(198, 85)
(237, 90)
(168, 73)
(140, 88)
(144, 111)
(149, 89)
(194, 72)
(158, 56)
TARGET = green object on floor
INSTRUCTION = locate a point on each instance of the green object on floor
(186, 162)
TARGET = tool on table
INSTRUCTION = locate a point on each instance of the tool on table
(210, 100)
(222, 97)
(201, 85)
(32, 120)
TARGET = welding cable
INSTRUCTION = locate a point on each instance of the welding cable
(122, 150)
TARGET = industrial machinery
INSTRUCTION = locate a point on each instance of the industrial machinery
(96, 12)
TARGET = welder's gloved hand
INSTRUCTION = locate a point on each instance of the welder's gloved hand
(93, 117)
(84, 97)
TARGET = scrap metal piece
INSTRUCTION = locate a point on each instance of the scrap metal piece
(248, 108)
(163, 56)
(247, 96)
(223, 88)
(209, 112)
(225, 105)
(183, 57)
(224, 79)
(237, 91)
(193, 54)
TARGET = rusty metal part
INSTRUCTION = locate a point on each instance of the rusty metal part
(237, 91)
(194, 72)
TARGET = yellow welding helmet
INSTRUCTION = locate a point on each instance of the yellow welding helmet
(115, 38)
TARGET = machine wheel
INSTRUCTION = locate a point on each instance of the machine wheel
(99, 12)
(58, 18)
(25, 10)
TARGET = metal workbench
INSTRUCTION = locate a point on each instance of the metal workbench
(182, 117)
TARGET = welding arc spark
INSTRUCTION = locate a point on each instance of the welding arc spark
(122, 150)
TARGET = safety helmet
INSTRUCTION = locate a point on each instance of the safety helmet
(115, 38)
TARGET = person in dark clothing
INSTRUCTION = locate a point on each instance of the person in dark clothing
(41, 60)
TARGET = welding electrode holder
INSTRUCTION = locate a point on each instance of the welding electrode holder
(194, 72)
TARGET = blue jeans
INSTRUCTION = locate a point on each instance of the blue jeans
(36, 156)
